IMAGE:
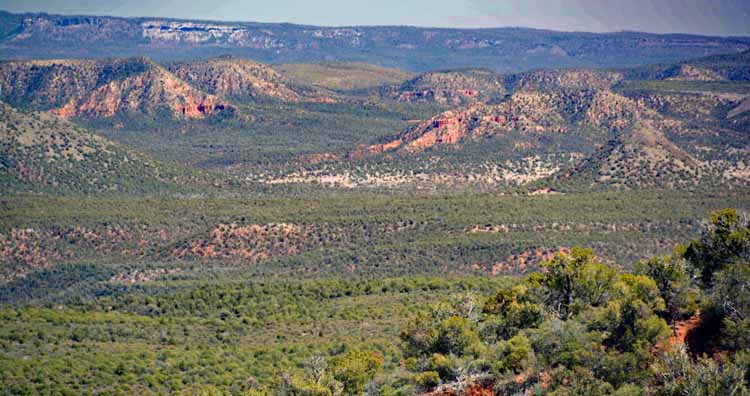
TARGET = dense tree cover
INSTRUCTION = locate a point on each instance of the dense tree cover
(580, 318)
(725, 241)
(199, 337)
(672, 276)
(581, 327)
(346, 374)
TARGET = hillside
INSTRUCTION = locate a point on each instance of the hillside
(641, 158)
(730, 66)
(242, 79)
(228, 208)
(418, 49)
(104, 88)
(124, 319)
(519, 214)
(343, 76)
(628, 138)
(43, 152)
(454, 88)
(665, 139)
(444, 128)
(530, 113)
(542, 80)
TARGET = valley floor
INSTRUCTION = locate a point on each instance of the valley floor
(165, 294)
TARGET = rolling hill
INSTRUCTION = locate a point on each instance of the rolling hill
(43, 152)
(625, 136)
(242, 79)
(646, 126)
(343, 76)
(204, 208)
(533, 114)
(453, 88)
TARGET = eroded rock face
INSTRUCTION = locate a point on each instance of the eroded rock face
(447, 128)
(144, 92)
(444, 96)
(188, 32)
(86, 29)
(524, 112)
(208, 33)
(104, 88)
(502, 49)
(639, 136)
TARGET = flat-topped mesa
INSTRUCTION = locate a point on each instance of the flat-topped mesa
(104, 88)
(189, 32)
(413, 48)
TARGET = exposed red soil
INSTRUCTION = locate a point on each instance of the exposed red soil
(526, 261)
(143, 92)
(485, 388)
(26, 250)
(680, 331)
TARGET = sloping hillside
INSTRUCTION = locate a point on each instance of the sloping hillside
(730, 66)
(457, 87)
(343, 76)
(104, 88)
(627, 142)
(243, 79)
(529, 113)
(40, 151)
(639, 158)
(563, 79)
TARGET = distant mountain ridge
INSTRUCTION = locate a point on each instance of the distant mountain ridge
(34, 35)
